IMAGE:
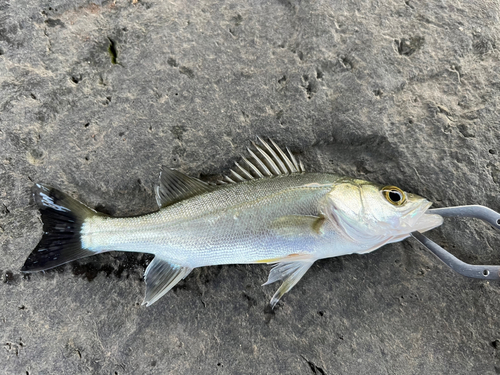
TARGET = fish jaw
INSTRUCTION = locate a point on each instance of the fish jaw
(421, 221)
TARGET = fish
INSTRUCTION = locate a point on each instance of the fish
(269, 209)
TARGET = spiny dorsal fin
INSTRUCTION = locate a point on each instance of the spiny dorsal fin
(268, 161)
(175, 186)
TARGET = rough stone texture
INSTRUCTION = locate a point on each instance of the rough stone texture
(95, 97)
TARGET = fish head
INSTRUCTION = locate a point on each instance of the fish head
(367, 212)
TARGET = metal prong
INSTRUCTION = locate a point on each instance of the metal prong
(479, 212)
(465, 269)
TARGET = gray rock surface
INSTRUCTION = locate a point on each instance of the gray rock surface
(96, 96)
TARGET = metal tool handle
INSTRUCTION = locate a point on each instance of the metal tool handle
(465, 269)
(479, 212)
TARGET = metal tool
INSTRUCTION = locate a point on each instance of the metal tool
(474, 271)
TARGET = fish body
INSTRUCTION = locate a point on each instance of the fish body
(276, 213)
(236, 223)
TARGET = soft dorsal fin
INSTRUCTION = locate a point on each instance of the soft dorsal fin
(175, 186)
(267, 161)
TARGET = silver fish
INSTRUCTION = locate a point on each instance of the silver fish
(271, 211)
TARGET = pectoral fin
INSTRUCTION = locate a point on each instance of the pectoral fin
(290, 270)
(160, 277)
(298, 225)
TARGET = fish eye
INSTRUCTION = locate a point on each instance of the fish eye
(394, 195)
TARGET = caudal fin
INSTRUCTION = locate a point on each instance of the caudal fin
(62, 218)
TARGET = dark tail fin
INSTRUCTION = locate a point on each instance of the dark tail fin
(62, 218)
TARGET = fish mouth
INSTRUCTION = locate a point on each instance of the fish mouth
(420, 220)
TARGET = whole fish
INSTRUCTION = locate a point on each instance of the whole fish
(271, 211)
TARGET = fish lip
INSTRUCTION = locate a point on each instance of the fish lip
(423, 219)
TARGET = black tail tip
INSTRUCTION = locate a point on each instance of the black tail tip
(62, 218)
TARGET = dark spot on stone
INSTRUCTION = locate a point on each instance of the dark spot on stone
(282, 80)
(321, 313)
(409, 4)
(171, 61)
(495, 344)
(378, 92)
(269, 313)
(346, 62)
(315, 369)
(220, 364)
(9, 278)
(88, 271)
(311, 87)
(407, 47)
(186, 71)
(1, 52)
(4, 210)
(123, 262)
(22, 307)
(36, 154)
(153, 363)
(361, 167)
(104, 209)
(492, 152)
(466, 131)
(76, 79)
(121, 134)
(237, 20)
(54, 22)
(482, 45)
(251, 301)
(33, 96)
(178, 131)
(86, 125)
(319, 74)
(92, 269)
(112, 51)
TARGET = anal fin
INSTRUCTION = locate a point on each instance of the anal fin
(160, 277)
(290, 270)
